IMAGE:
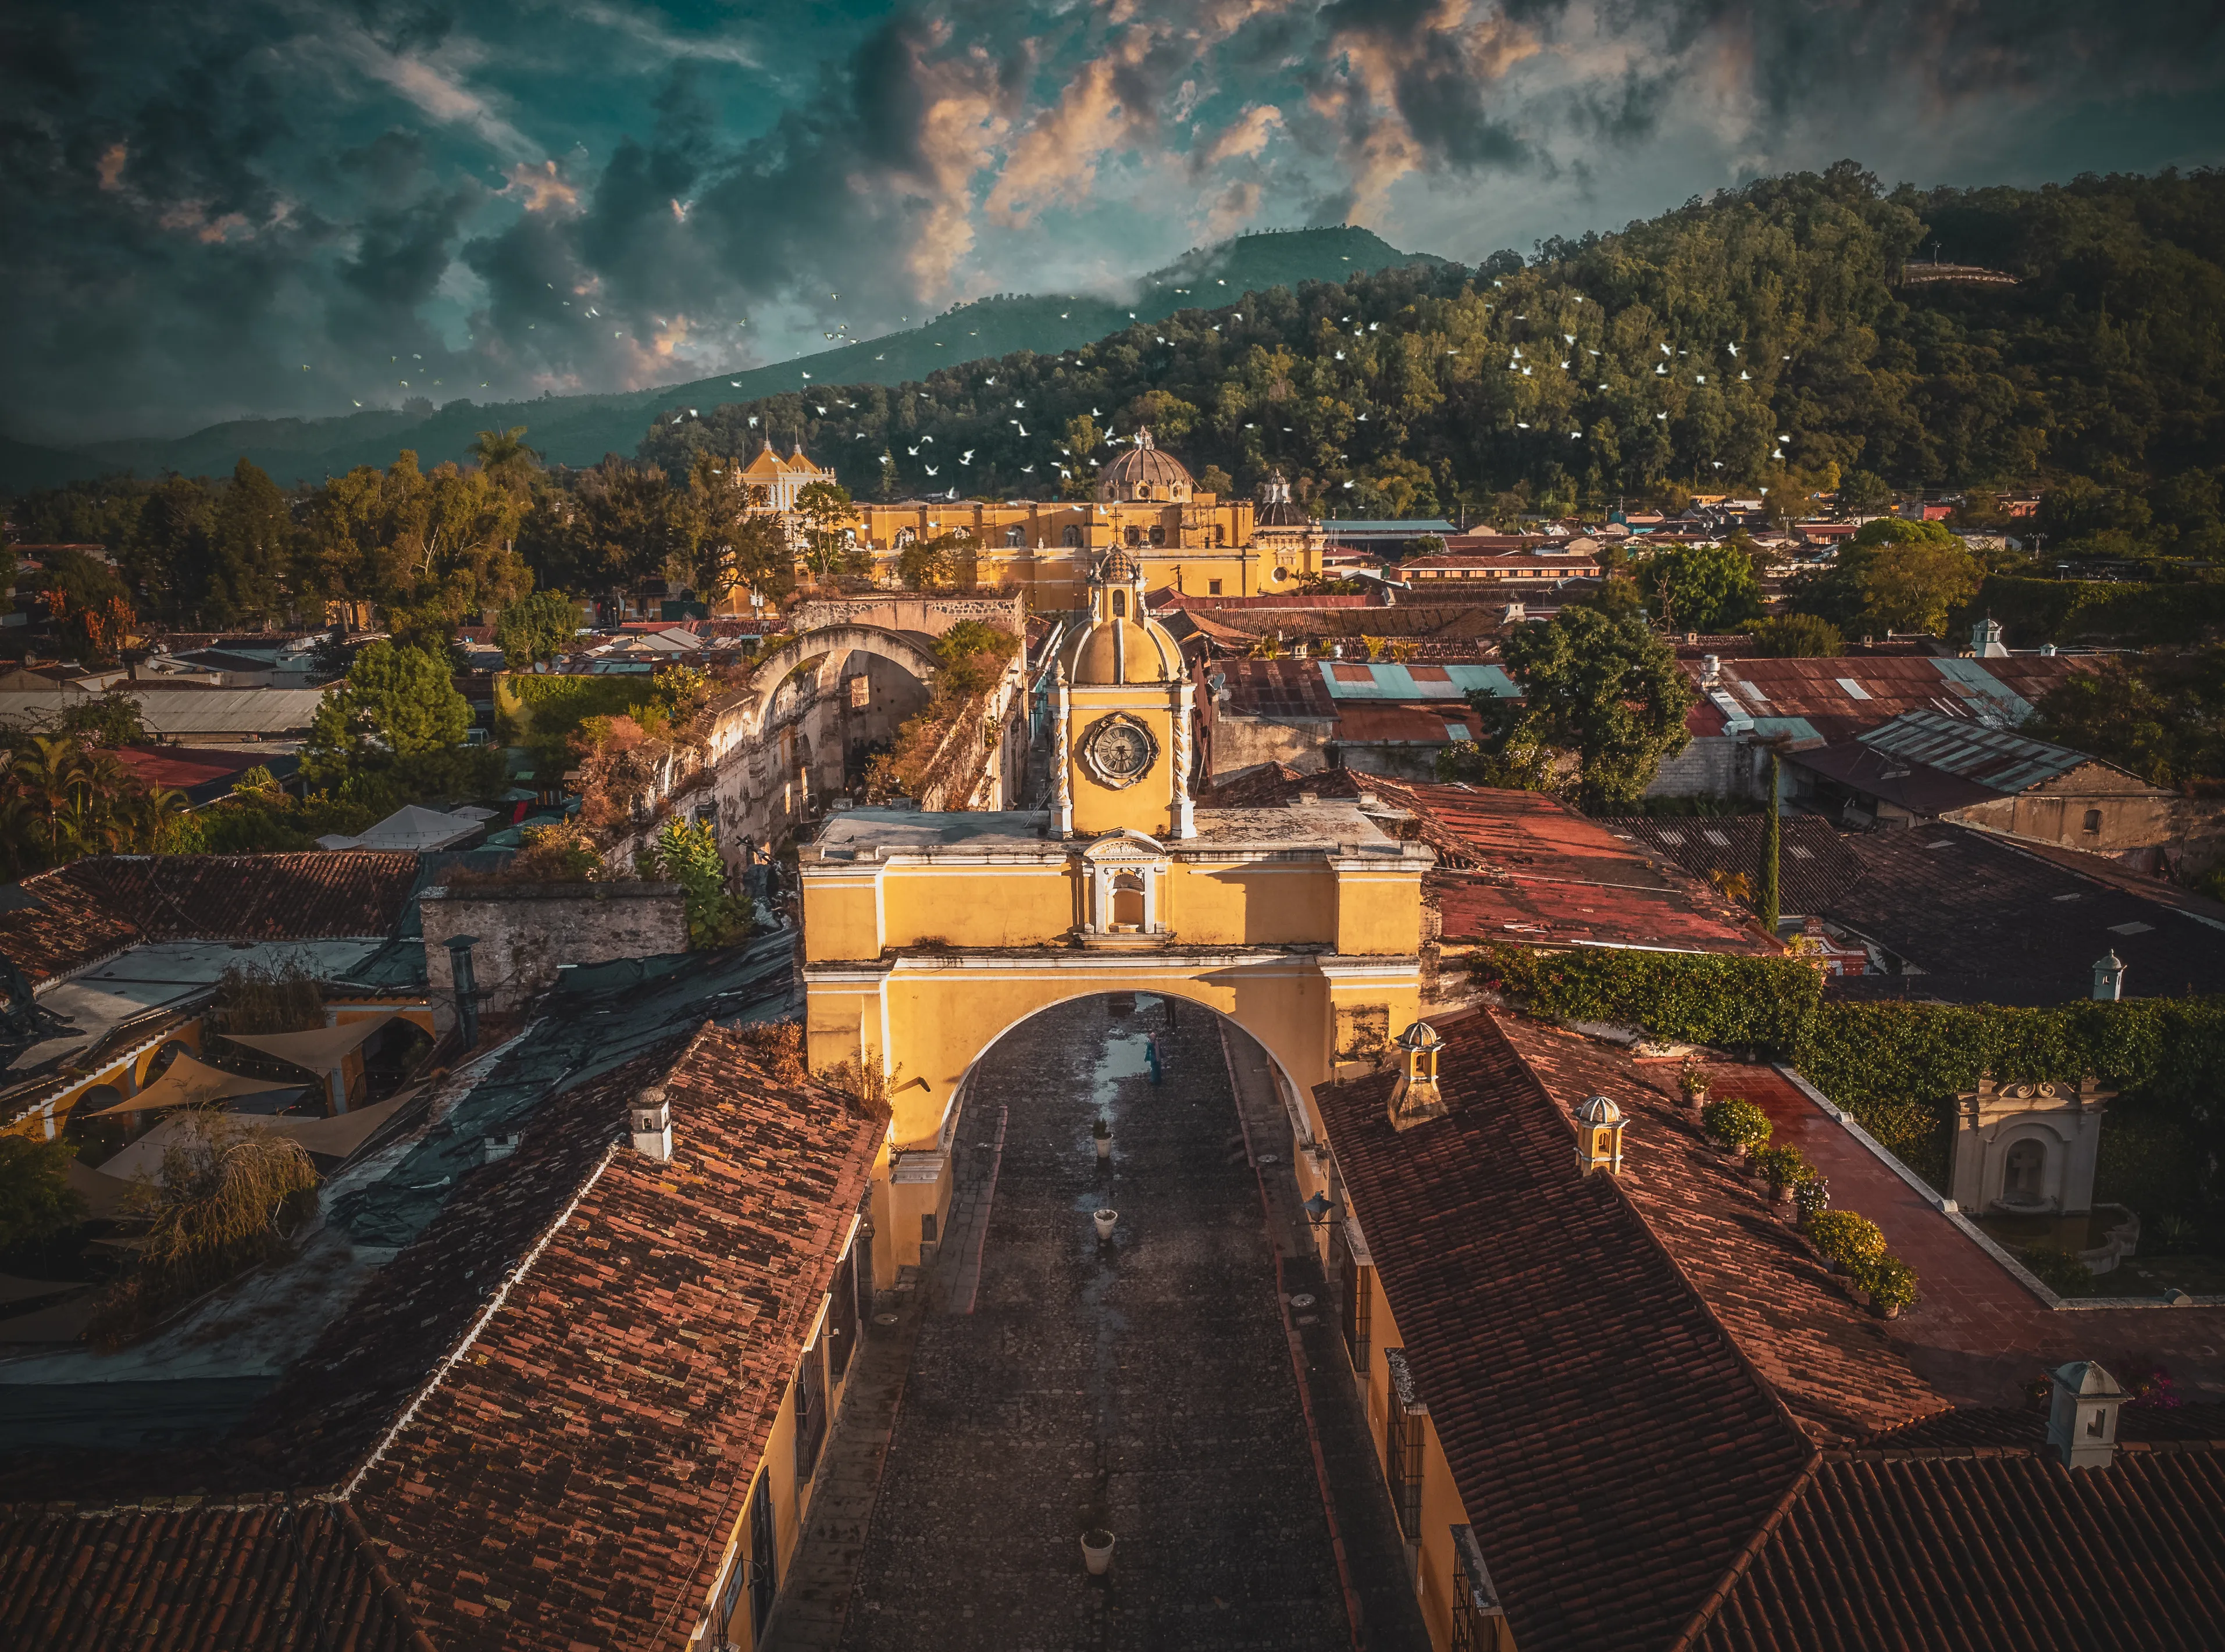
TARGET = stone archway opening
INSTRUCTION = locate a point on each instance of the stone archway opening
(1148, 1374)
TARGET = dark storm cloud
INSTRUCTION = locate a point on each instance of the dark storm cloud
(588, 194)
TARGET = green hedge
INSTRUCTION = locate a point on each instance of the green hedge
(1739, 1002)
(1897, 1067)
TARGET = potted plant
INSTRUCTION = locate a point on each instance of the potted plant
(1692, 1079)
(1809, 1200)
(1738, 1127)
(1845, 1239)
(1105, 1220)
(1102, 1130)
(1784, 1169)
(1889, 1282)
(1097, 1550)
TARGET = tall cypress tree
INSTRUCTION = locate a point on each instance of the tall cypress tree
(1771, 847)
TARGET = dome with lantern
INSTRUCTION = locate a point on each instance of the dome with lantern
(1121, 644)
(1145, 474)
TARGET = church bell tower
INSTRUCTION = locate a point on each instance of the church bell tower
(1125, 703)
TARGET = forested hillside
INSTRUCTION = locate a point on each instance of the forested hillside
(582, 429)
(1677, 350)
(1603, 368)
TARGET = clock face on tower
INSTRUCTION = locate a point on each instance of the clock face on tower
(1119, 750)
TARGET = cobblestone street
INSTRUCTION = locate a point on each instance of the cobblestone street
(1145, 1386)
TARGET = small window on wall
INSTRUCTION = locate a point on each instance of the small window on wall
(1070, 537)
(1281, 574)
(2094, 821)
(1213, 587)
(1219, 535)
(1013, 537)
(1134, 537)
(1158, 536)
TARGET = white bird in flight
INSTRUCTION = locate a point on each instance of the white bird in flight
(1027, 469)
(913, 452)
(931, 469)
(967, 458)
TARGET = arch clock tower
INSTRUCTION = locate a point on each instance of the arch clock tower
(1124, 707)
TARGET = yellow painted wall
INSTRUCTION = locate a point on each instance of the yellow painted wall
(1437, 1574)
(1147, 806)
(1377, 912)
(990, 906)
(1262, 903)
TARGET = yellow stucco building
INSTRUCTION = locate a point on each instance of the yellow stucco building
(1145, 503)
(927, 936)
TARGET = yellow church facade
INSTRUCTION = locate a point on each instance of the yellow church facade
(1144, 502)
(927, 936)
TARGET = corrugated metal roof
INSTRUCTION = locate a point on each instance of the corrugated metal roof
(175, 712)
(1841, 697)
(1359, 679)
(1990, 756)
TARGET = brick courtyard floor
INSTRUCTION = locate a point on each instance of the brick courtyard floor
(1146, 1386)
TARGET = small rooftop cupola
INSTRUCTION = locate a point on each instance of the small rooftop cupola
(2081, 1420)
(649, 1118)
(2109, 977)
(1599, 1136)
(1986, 640)
(1415, 1099)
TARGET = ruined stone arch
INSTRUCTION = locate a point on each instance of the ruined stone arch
(830, 647)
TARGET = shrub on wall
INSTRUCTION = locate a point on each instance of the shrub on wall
(1897, 1067)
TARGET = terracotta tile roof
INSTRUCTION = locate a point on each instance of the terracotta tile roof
(262, 1575)
(576, 1477)
(2006, 1551)
(1274, 688)
(1989, 920)
(90, 909)
(1814, 865)
(1832, 1362)
(1614, 1450)
(1518, 866)
(1635, 1490)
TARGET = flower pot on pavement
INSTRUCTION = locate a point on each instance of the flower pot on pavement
(1105, 1220)
(1104, 1147)
(1097, 1552)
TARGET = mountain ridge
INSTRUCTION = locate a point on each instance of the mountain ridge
(580, 430)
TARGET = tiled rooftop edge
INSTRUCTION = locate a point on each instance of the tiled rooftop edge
(1971, 1231)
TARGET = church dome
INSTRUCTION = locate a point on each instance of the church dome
(1277, 509)
(1145, 475)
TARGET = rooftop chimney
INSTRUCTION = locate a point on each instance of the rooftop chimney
(1415, 1099)
(650, 1120)
(1599, 1136)
(2081, 1420)
(1711, 670)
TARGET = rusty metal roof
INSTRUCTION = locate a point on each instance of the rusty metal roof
(2006, 761)
(1842, 697)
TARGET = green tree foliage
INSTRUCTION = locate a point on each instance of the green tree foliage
(1893, 576)
(1701, 588)
(61, 797)
(36, 1201)
(536, 628)
(395, 729)
(112, 720)
(687, 853)
(2160, 714)
(825, 508)
(1795, 636)
(1864, 493)
(505, 457)
(1604, 694)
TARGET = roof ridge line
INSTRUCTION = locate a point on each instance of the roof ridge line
(495, 1303)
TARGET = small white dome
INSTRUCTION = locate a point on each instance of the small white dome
(1599, 1111)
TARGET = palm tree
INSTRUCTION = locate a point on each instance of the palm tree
(504, 455)
(51, 774)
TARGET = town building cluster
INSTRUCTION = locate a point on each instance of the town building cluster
(611, 1236)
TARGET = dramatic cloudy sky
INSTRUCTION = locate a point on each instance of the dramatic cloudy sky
(278, 206)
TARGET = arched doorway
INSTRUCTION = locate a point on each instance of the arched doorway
(1149, 1376)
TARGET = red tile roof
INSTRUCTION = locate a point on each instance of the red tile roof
(575, 1478)
(1833, 1363)
(258, 1575)
(1518, 866)
(182, 767)
(546, 1412)
(1594, 1355)
(1990, 1552)
(1611, 1447)
(90, 909)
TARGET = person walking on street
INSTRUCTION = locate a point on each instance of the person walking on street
(1151, 1053)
